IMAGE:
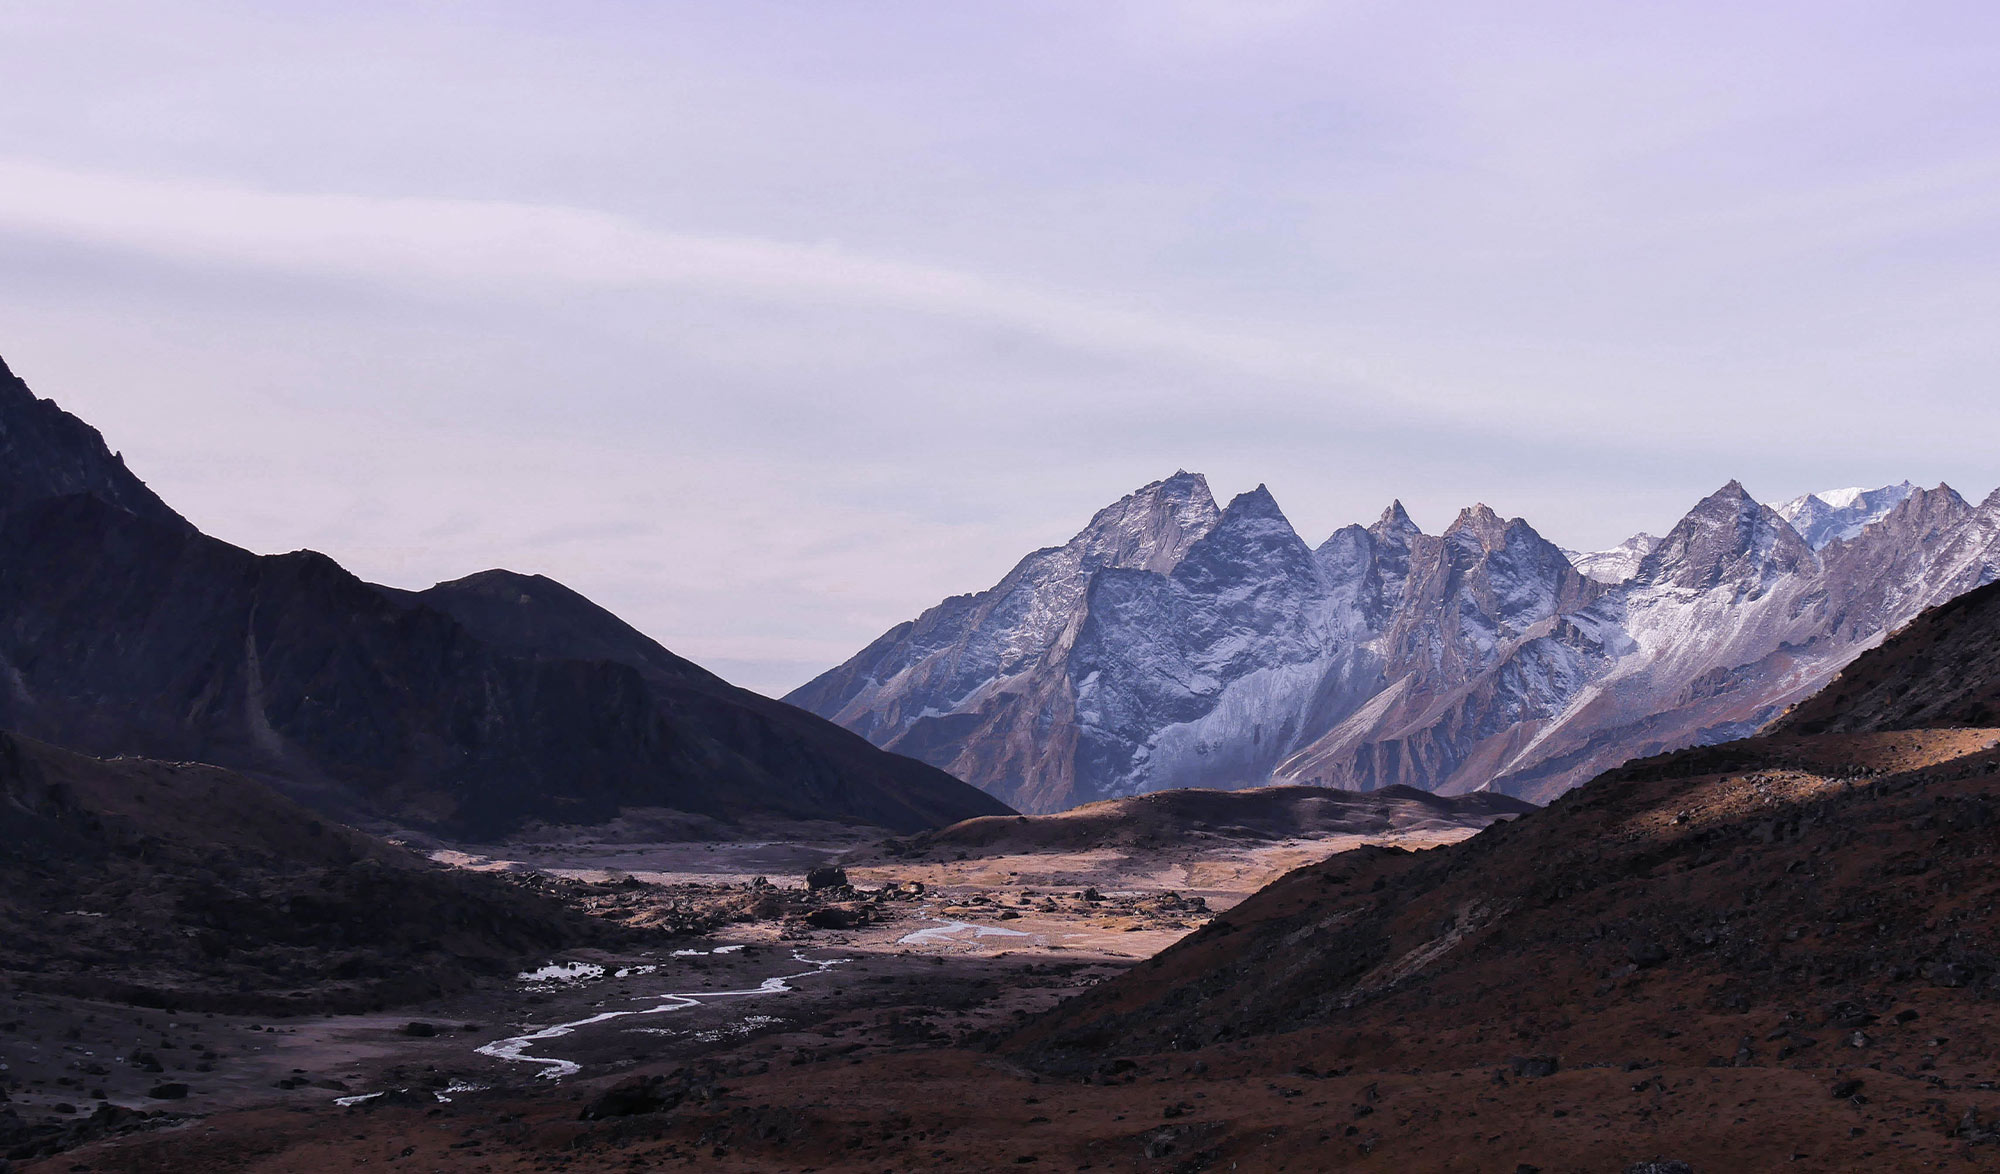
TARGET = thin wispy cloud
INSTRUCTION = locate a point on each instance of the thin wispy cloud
(769, 324)
(507, 249)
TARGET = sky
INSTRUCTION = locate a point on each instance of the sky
(768, 325)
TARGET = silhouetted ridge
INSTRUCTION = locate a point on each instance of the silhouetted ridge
(45, 453)
(470, 708)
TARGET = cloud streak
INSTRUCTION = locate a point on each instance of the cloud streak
(511, 249)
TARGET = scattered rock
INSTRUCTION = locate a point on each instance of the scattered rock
(1660, 1166)
(1849, 1015)
(1971, 1130)
(834, 917)
(1647, 953)
(652, 1094)
(1536, 1066)
(171, 1091)
(826, 878)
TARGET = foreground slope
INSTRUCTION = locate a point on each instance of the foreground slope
(1938, 671)
(179, 885)
(465, 709)
(1762, 879)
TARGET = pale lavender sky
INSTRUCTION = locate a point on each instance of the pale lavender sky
(767, 325)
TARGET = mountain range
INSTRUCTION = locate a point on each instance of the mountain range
(1172, 643)
(471, 708)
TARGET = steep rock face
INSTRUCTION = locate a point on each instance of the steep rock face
(471, 708)
(1473, 651)
(980, 685)
(1480, 658)
(1233, 638)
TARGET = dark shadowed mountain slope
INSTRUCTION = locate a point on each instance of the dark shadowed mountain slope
(184, 885)
(46, 452)
(835, 769)
(1941, 670)
(124, 630)
(1258, 813)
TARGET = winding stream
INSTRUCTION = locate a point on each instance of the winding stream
(515, 1048)
(956, 932)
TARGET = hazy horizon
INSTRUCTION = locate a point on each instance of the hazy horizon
(767, 326)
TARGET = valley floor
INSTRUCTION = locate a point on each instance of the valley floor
(916, 958)
(863, 1044)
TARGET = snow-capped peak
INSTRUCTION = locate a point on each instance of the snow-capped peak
(1835, 515)
(1615, 565)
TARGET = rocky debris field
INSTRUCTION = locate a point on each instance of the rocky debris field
(879, 966)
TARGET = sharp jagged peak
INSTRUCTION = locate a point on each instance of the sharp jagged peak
(1478, 518)
(1941, 491)
(1728, 534)
(1396, 516)
(1730, 501)
(1254, 537)
(1256, 502)
(1395, 525)
(1149, 528)
(1920, 508)
(1256, 512)
(1183, 485)
(1184, 494)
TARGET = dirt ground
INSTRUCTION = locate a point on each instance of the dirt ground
(939, 956)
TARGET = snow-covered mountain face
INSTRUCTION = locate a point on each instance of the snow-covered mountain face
(1174, 644)
(1835, 515)
(1616, 565)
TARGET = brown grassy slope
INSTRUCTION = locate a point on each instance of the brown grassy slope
(1942, 669)
(1260, 813)
(185, 885)
(1769, 876)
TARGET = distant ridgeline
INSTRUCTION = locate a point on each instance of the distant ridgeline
(1175, 644)
(468, 708)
